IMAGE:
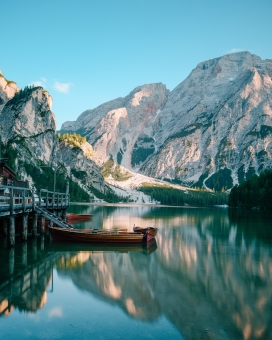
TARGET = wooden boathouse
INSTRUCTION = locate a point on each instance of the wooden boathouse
(21, 207)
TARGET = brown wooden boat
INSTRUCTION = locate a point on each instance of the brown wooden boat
(78, 217)
(96, 236)
(149, 232)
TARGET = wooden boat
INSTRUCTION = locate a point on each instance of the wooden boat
(78, 217)
(149, 232)
(96, 236)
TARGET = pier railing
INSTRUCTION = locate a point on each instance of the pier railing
(19, 202)
(17, 199)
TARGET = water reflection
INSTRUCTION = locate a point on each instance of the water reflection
(209, 273)
(24, 278)
(118, 274)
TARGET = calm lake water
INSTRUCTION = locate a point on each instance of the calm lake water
(208, 276)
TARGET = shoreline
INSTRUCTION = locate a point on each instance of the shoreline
(143, 205)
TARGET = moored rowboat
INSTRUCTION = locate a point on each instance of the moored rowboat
(82, 217)
(96, 236)
(149, 232)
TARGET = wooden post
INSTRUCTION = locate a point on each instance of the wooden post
(64, 214)
(34, 226)
(24, 227)
(53, 201)
(47, 199)
(42, 242)
(5, 226)
(34, 249)
(67, 194)
(58, 200)
(11, 261)
(24, 200)
(11, 201)
(40, 198)
(42, 224)
(33, 198)
(11, 233)
(24, 254)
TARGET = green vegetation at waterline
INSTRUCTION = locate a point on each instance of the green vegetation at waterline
(253, 193)
(165, 194)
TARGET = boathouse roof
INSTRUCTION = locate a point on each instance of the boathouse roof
(6, 170)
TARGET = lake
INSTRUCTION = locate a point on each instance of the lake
(208, 276)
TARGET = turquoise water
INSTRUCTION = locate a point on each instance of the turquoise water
(208, 276)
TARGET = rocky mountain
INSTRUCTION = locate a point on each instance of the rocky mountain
(29, 140)
(7, 89)
(213, 130)
(122, 129)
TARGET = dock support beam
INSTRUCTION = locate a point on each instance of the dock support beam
(42, 242)
(34, 249)
(5, 226)
(11, 261)
(42, 225)
(24, 254)
(11, 233)
(64, 213)
(34, 226)
(24, 228)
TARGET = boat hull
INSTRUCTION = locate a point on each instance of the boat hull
(91, 236)
(77, 218)
(149, 232)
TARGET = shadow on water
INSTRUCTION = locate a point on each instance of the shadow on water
(252, 224)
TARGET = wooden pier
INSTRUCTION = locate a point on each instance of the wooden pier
(19, 205)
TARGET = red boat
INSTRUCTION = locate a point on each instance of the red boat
(95, 235)
(78, 217)
(149, 232)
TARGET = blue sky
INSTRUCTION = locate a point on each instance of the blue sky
(87, 52)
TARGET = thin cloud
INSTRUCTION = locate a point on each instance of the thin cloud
(62, 87)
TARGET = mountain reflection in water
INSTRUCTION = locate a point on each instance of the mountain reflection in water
(209, 272)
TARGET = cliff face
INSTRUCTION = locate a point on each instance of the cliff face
(122, 128)
(28, 134)
(28, 124)
(219, 118)
(81, 165)
(7, 89)
(216, 126)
